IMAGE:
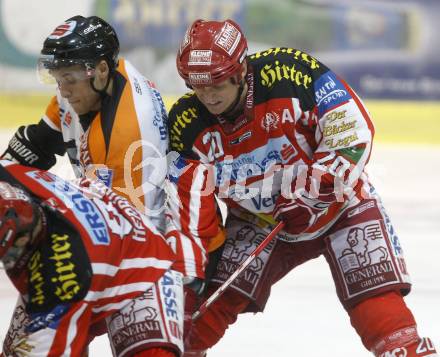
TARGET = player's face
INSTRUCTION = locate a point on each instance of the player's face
(74, 85)
(219, 97)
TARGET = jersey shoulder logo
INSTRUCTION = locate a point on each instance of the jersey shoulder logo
(185, 123)
(270, 121)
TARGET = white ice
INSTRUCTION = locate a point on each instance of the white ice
(303, 317)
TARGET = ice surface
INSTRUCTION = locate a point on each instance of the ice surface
(303, 316)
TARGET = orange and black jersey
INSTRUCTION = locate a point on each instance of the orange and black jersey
(113, 144)
(297, 112)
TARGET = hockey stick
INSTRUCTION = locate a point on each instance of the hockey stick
(202, 309)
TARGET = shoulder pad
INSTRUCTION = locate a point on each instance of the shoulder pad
(60, 266)
(277, 64)
(284, 54)
(285, 73)
(187, 119)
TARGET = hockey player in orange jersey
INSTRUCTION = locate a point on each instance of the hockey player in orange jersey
(277, 135)
(107, 116)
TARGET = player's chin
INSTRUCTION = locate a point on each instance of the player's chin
(80, 109)
(216, 108)
(216, 111)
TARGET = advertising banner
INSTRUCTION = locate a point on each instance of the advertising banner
(386, 49)
(162, 23)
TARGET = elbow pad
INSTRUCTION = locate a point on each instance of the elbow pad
(22, 149)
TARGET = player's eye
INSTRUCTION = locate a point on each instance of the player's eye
(69, 79)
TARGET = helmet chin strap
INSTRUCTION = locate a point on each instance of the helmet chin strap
(102, 92)
(231, 113)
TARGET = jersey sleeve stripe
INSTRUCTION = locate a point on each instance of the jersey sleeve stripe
(94, 295)
(72, 329)
(112, 306)
(189, 257)
(50, 123)
(196, 199)
(152, 144)
(135, 263)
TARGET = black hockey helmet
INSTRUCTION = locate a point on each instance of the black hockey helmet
(80, 40)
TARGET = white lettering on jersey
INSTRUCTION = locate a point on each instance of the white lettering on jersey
(216, 147)
(286, 116)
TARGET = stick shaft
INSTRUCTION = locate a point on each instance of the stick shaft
(202, 309)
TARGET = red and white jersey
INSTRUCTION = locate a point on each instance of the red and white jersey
(97, 248)
(297, 114)
(124, 144)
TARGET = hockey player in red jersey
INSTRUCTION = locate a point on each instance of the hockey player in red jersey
(79, 254)
(278, 136)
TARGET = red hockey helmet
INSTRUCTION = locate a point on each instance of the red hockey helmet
(17, 215)
(211, 52)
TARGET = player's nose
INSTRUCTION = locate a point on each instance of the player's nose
(64, 90)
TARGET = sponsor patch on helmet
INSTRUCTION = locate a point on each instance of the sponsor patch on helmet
(63, 30)
(200, 78)
(229, 38)
(91, 28)
(200, 58)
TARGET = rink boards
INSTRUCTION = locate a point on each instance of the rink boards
(402, 122)
(303, 316)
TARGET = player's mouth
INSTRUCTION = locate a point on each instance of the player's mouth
(214, 104)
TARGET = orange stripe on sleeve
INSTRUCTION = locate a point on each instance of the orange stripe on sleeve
(53, 112)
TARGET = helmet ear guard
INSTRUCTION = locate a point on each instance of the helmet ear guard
(211, 52)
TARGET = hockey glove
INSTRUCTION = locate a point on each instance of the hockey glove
(300, 210)
(22, 150)
(193, 291)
